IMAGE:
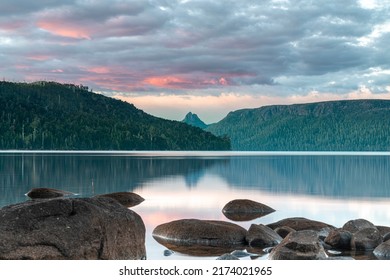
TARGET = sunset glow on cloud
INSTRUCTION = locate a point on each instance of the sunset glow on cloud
(220, 55)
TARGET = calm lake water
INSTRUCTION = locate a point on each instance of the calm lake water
(330, 187)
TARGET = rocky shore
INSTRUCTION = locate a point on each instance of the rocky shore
(294, 238)
(61, 227)
(57, 225)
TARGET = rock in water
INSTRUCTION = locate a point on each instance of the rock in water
(354, 226)
(71, 228)
(299, 224)
(245, 210)
(200, 232)
(339, 239)
(262, 236)
(47, 193)
(366, 239)
(127, 199)
(299, 245)
(383, 251)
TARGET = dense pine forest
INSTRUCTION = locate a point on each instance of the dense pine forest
(53, 116)
(353, 125)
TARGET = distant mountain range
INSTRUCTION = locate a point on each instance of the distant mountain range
(349, 125)
(53, 116)
(194, 120)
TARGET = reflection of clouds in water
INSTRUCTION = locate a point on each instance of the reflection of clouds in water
(315, 187)
(170, 200)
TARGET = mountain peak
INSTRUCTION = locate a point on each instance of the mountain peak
(194, 120)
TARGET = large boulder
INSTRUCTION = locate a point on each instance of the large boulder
(299, 245)
(366, 239)
(262, 236)
(245, 210)
(189, 232)
(298, 224)
(355, 225)
(339, 239)
(127, 199)
(71, 228)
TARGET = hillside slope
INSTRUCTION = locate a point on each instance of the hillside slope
(349, 125)
(53, 116)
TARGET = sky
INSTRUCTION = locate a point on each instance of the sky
(169, 57)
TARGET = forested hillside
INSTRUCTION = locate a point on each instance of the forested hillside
(353, 125)
(53, 116)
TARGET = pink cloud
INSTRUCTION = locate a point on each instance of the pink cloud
(64, 29)
(173, 82)
(185, 82)
(39, 57)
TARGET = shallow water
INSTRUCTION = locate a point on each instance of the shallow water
(330, 187)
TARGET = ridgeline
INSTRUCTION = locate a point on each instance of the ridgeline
(194, 120)
(348, 125)
(53, 116)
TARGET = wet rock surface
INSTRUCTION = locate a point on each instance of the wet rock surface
(127, 199)
(356, 225)
(339, 239)
(245, 210)
(262, 236)
(366, 239)
(299, 245)
(71, 228)
(382, 251)
(201, 232)
(45, 193)
(299, 223)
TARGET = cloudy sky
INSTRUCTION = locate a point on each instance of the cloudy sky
(169, 57)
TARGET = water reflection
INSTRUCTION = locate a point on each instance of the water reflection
(331, 188)
(332, 176)
(88, 174)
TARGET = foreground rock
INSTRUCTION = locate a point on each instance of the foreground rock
(43, 193)
(245, 210)
(127, 199)
(299, 245)
(262, 236)
(354, 226)
(339, 239)
(71, 228)
(200, 237)
(298, 224)
(366, 239)
(202, 232)
(383, 251)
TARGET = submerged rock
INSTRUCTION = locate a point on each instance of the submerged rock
(245, 210)
(46, 193)
(71, 228)
(299, 245)
(127, 199)
(299, 223)
(227, 257)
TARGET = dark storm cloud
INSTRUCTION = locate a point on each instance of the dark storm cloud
(186, 45)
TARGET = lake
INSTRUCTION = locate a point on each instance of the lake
(329, 187)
